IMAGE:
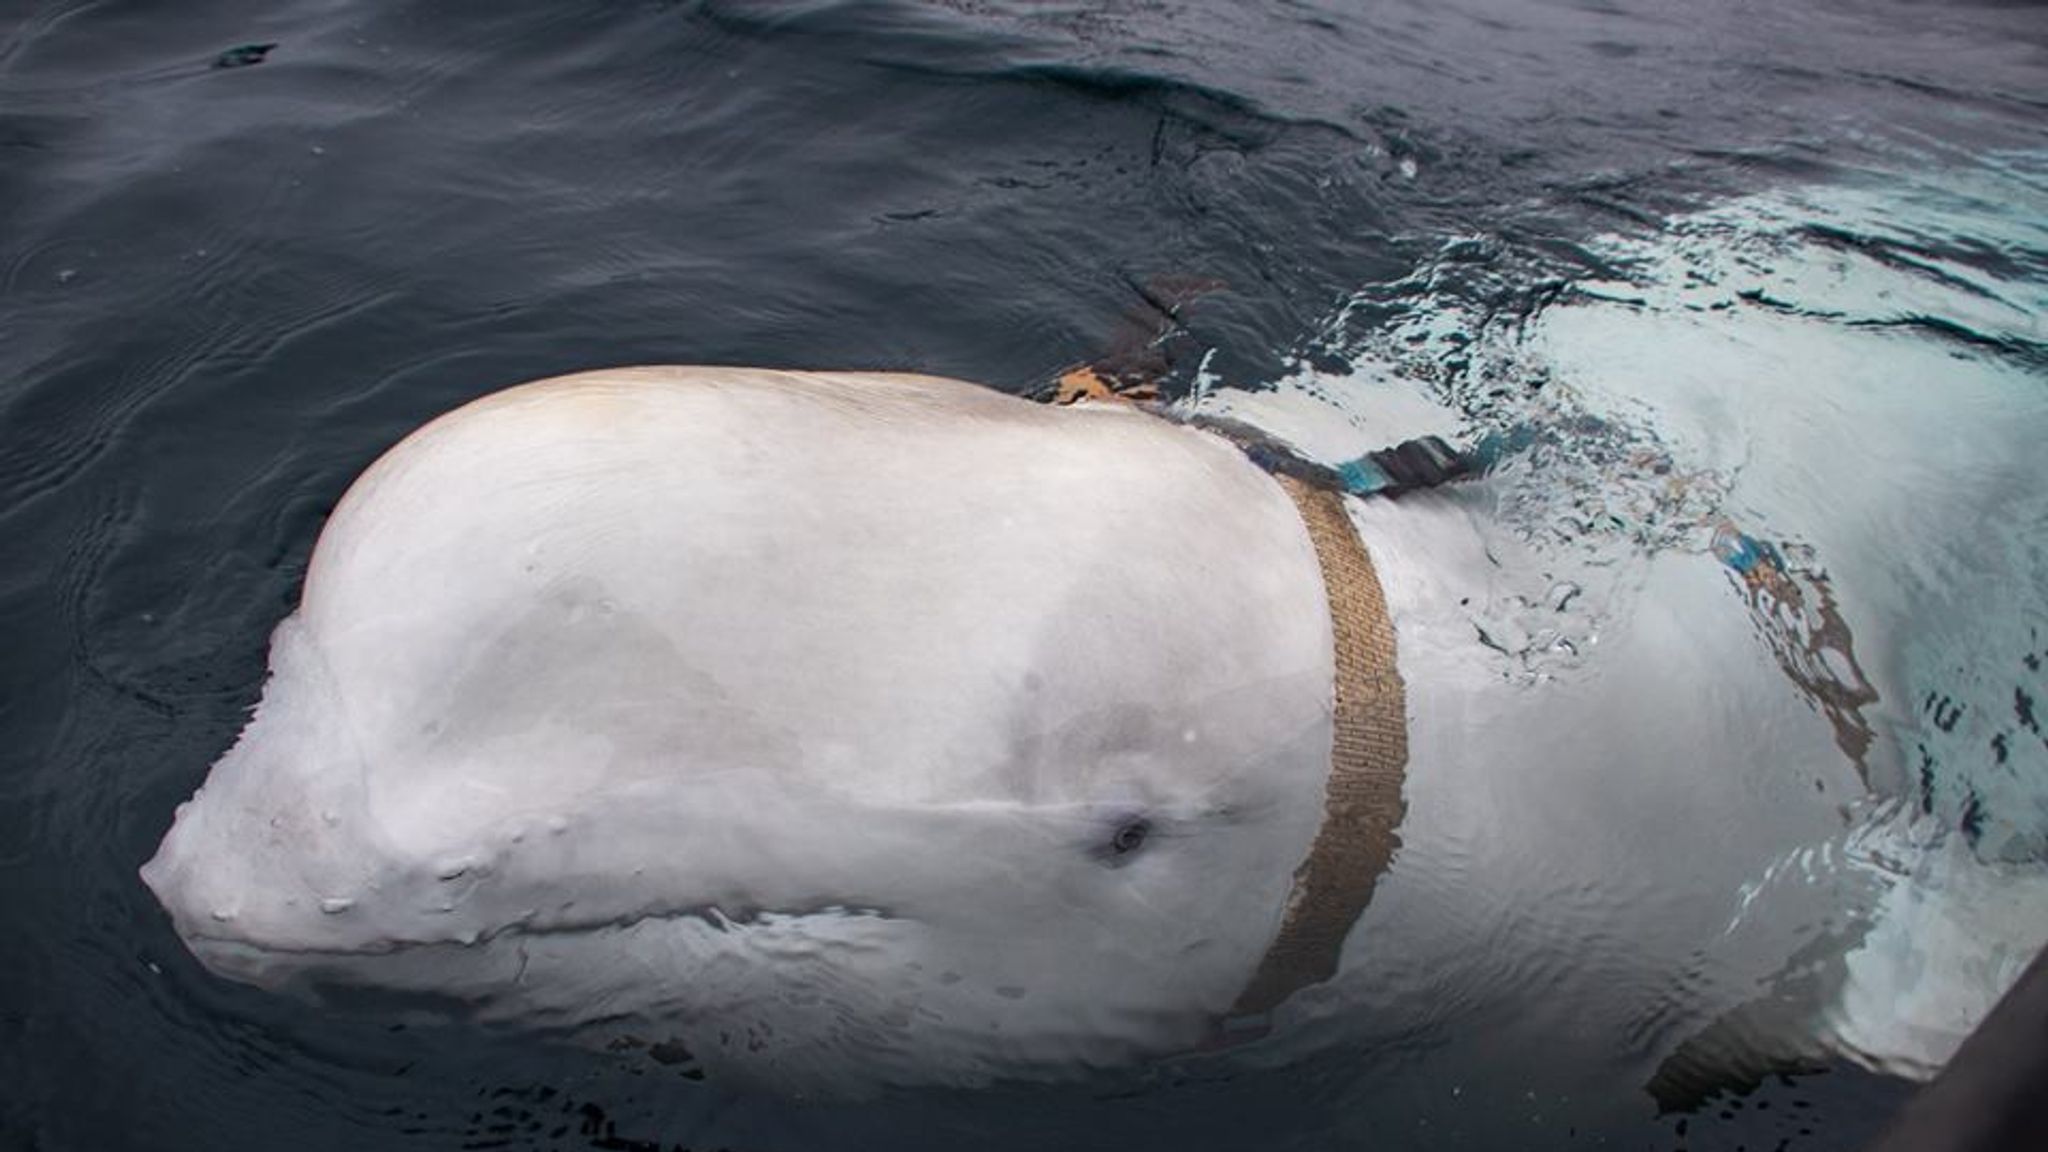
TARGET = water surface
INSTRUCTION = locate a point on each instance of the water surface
(229, 279)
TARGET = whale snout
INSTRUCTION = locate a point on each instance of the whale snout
(271, 860)
(316, 913)
(237, 895)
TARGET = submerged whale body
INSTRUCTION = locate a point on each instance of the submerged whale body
(855, 728)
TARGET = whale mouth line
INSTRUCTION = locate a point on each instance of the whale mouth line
(718, 917)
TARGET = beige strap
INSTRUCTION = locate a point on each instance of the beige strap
(1362, 805)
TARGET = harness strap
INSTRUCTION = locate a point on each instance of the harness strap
(1362, 801)
(1362, 804)
(1424, 462)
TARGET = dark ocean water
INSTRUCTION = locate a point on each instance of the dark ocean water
(229, 280)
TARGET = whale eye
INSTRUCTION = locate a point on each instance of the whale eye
(1130, 837)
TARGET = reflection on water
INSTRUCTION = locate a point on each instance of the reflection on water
(1725, 277)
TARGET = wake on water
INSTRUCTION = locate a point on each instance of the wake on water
(1855, 372)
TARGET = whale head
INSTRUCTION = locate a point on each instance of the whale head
(930, 738)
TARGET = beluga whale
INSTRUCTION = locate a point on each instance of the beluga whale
(855, 729)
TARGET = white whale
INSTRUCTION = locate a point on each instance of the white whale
(845, 729)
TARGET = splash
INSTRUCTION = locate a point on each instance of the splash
(1844, 385)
